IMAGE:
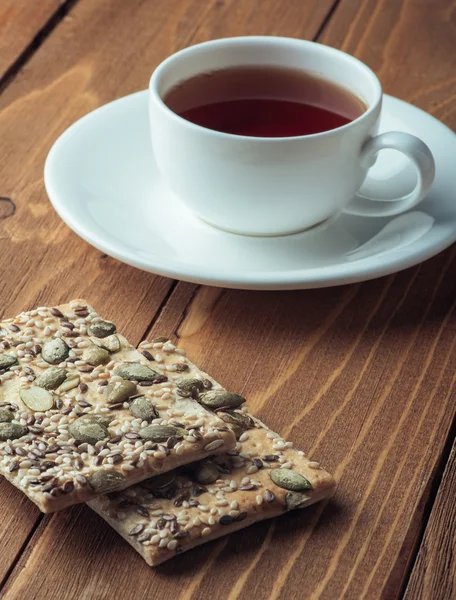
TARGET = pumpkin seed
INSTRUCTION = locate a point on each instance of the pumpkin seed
(103, 420)
(6, 415)
(55, 351)
(190, 387)
(143, 409)
(36, 398)
(110, 343)
(119, 391)
(289, 480)
(93, 355)
(239, 421)
(7, 361)
(295, 500)
(136, 372)
(215, 400)
(51, 378)
(160, 339)
(159, 482)
(104, 481)
(87, 431)
(206, 472)
(70, 383)
(160, 433)
(102, 329)
(11, 431)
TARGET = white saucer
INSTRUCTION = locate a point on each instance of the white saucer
(102, 180)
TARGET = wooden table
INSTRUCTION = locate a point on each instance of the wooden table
(361, 376)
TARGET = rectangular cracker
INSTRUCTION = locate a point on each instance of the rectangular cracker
(170, 514)
(45, 461)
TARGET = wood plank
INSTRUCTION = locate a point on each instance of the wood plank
(91, 58)
(380, 32)
(362, 376)
(20, 22)
(434, 572)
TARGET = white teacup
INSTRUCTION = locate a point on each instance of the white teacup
(276, 186)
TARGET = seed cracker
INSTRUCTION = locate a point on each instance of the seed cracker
(262, 477)
(82, 412)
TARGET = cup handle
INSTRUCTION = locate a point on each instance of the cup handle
(417, 151)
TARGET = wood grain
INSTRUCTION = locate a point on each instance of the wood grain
(409, 44)
(361, 376)
(434, 573)
(20, 22)
(102, 50)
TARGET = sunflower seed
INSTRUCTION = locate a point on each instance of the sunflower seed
(137, 530)
(271, 458)
(241, 516)
(269, 496)
(14, 466)
(213, 445)
(141, 510)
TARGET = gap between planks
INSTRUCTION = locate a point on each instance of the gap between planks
(434, 486)
(39, 38)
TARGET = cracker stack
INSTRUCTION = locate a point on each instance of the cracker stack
(160, 450)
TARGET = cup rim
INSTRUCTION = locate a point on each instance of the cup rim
(158, 72)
